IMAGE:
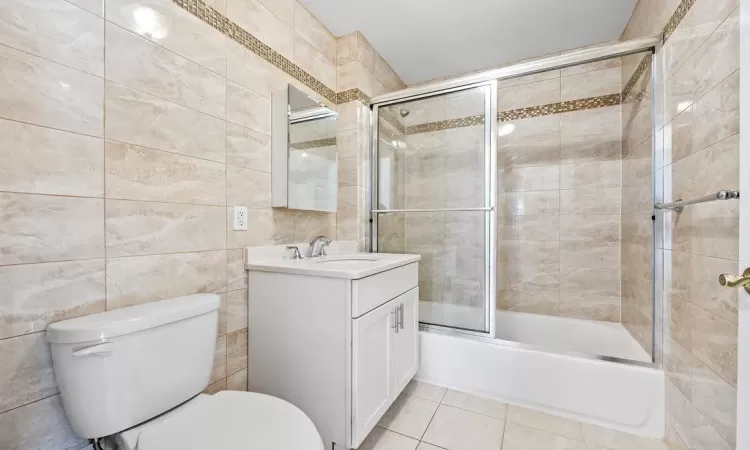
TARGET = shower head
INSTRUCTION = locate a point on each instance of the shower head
(404, 112)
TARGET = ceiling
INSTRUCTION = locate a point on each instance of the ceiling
(427, 39)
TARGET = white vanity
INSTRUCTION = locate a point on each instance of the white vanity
(334, 335)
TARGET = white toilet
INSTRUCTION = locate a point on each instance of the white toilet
(134, 377)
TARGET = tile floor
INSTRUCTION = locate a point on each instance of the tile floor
(427, 417)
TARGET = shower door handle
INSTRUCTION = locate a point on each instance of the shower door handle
(732, 281)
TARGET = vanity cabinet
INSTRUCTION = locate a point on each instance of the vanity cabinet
(340, 348)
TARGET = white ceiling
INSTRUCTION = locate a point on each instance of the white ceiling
(427, 39)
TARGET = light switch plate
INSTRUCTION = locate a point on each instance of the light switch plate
(239, 222)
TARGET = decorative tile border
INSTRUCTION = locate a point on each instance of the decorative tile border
(238, 34)
(676, 18)
(445, 125)
(318, 143)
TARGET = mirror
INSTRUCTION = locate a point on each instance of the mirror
(304, 164)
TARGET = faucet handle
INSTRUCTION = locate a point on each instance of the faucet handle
(296, 253)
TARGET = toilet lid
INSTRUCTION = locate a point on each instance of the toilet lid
(235, 420)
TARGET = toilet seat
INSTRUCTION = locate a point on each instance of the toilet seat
(234, 420)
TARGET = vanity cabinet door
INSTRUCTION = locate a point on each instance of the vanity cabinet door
(372, 380)
(405, 344)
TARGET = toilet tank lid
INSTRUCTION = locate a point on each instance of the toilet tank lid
(118, 322)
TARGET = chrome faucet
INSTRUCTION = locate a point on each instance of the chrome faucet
(313, 250)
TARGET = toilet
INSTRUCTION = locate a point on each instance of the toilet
(131, 379)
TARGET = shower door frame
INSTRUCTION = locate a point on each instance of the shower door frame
(490, 195)
(540, 65)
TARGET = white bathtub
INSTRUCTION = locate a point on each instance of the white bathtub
(624, 397)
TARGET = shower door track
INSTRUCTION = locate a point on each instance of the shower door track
(491, 208)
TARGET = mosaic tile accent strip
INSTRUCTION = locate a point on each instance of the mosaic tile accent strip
(561, 107)
(445, 125)
(351, 95)
(676, 18)
(643, 66)
(318, 143)
(218, 21)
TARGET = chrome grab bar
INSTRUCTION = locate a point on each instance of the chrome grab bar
(430, 210)
(679, 205)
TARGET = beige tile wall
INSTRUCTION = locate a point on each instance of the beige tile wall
(559, 197)
(121, 155)
(698, 135)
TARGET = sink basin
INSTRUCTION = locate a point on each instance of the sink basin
(344, 260)
(351, 265)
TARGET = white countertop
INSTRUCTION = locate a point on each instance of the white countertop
(344, 265)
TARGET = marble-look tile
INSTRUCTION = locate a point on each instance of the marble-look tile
(598, 228)
(43, 228)
(678, 411)
(237, 381)
(283, 9)
(146, 228)
(591, 200)
(591, 121)
(26, 373)
(531, 178)
(76, 40)
(458, 429)
(534, 129)
(703, 436)
(385, 73)
(591, 67)
(351, 75)
(716, 115)
(236, 310)
(528, 252)
(718, 57)
(347, 48)
(694, 279)
(678, 320)
(473, 403)
(309, 59)
(590, 84)
(716, 400)
(253, 72)
(39, 425)
(541, 228)
(219, 370)
(533, 301)
(678, 366)
(530, 94)
(141, 119)
(604, 174)
(236, 273)
(591, 148)
(591, 281)
(164, 276)
(542, 151)
(139, 173)
(137, 63)
(424, 390)
(263, 24)
(409, 415)
(314, 32)
(672, 439)
(546, 422)
(590, 254)
(248, 148)
(529, 278)
(92, 6)
(38, 91)
(34, 295)
(382, 439)
(237, 357)
(218, 386)
(172, 28)
(249, 109)
(537, 203)
(714, 342)
(41, 160)
(247, 187)
(308, 225)
(518, 437)
(222, 326)
(525, 79)
(366, 54)
(269, 227)
(590, 307)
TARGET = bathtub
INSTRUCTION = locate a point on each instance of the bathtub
(628, 398)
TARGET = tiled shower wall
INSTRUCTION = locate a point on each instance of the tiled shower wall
(697, 153)
(124, 143)
(559, 197)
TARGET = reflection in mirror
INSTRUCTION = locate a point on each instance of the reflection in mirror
(305, 153)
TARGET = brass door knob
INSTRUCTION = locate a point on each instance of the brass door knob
(731, 281)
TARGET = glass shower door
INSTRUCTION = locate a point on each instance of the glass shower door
(434, 197)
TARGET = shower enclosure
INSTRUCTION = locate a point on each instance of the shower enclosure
(528, 191)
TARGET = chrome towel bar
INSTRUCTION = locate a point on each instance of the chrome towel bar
(679, 205)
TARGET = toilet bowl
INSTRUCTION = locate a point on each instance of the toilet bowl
(131, 379)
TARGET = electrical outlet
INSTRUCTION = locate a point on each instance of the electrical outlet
(240, 218)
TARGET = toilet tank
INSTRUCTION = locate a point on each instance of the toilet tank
(122, 367)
